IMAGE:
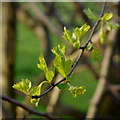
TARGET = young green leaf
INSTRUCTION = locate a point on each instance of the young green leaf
(63, 86)
(96, 54)
(50, 74)
(36, 91)
(59, 50)
(77, 90)
(42, 65)
(63, 66)
(67, 35)
(102, 35)
(90, 14)
(23, 86)
(111, 26)
(107, 17)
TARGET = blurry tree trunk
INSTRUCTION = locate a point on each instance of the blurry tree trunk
(102, 103)
(8, 51)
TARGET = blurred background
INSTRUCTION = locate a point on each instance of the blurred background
(31, 28)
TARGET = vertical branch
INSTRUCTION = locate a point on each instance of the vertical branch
(8, 47)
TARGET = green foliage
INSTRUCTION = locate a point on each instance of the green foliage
(62, 65)
(96, 54)
(23, 86)
(107, 17)
(77, 90)
(42, 65)
(75, 36)
(90, 14)
(59, 50)
(63, 86)
(50, 74)
(102, 34)
(111, 26)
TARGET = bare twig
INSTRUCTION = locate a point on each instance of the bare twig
(79, 57)
(8, 99)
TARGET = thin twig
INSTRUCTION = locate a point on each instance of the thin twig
(5, 98)
(79, 57)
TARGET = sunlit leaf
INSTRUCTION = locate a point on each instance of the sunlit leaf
(77, 90)
(63, 66)
(107, 17)
(23, 86)
(42, 65)
(59, 50)
(50, 74)
(90, 14)
(102, 36)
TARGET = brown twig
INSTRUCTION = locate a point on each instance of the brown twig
(8, 99)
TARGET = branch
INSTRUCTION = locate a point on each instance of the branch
(79, 57)
(26, 108)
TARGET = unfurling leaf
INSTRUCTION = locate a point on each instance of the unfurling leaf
(63, 66)
(50, 74)
(111, 26)
(90, 14)
(36, 91)
(96, 54)
(89, 47)
(63, 86)
(75, 37)
(59, 50)
(77, 90)
(102, 36)
(42, 65)
(23, 86)
(107, 17)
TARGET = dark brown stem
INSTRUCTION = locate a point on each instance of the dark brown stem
(8, 99)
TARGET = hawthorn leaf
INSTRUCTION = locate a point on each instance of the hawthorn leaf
(77, 90)
(90, 14)
(111, 26)
(107, 17)
(102, 36)
(63, 66)
(23, 86)
(96, 54)
(63, 86)
(50, 74)
(42, 65)
(59, 50)
(67, 35)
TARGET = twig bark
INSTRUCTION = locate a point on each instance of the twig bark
(8, 99)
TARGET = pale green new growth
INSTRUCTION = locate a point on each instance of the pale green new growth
(90, 14)
(77, 90)
(62, 65)
(75, 36)
(23, 86)
(42, 65)
(107, 17)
